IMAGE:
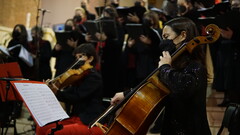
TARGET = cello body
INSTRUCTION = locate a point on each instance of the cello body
(141, 110)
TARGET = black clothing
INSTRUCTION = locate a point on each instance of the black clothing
(141, 59)
(90, 16)
(64, 57)
(185, 111)
(193, 14)
(110, 55)
(43, 72)
(85, 96)
(147, 56)
(15, 52)
(227, 58)
(110, 67)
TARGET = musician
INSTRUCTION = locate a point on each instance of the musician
(63, 51)
(19, 36)
(109, 50)
(40, 49)
(228, 55)
(141, 54)
(85, 97)
(186, 78)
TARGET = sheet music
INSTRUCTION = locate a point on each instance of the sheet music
(41, 102)
(24, 55)
(4, 50)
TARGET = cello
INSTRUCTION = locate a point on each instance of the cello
(142, 105)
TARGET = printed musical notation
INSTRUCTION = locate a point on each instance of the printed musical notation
(41, 102)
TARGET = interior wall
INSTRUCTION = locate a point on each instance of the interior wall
(24, 12)
(14, 12)
(60, 10)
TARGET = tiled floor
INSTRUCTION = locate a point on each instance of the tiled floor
(215, 115)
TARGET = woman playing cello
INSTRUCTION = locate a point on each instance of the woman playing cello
(85, 96)
(186, 78)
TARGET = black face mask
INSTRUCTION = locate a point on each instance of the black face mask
(77, 18)
(79, 64)
(16, 34)
(84, 7)
(147, 22)
(181, 9)
(68, 28)
(167, 45)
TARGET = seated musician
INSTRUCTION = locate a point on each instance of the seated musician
(186, 78)
(85, 97)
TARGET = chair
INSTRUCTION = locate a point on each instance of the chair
(231, 119)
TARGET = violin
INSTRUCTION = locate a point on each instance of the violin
(70, 77)
(148, 98)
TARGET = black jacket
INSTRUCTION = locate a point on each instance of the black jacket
(86, 97)
(185, 111)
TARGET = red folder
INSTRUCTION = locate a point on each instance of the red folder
(9, 72)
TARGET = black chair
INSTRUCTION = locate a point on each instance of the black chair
(231, 120)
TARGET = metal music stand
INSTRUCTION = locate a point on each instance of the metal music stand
(10, 99)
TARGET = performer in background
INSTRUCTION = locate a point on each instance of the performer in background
(227, 57)
(186, 77)
(141, 54)
(41, 51)
(19, 36)
(85, 97)
(63, 51)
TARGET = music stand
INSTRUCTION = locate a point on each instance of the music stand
(9, 97)
(41, 103)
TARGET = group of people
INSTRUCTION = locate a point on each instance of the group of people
(39, 49)
(227, 55)
(119, 65)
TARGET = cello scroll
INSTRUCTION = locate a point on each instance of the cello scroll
(213, 33)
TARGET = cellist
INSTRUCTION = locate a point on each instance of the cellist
(186, 78)
(85, 96)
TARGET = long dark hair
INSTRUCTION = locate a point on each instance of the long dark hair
(178, 25)
(22, 38)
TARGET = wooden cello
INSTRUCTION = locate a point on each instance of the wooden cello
(141, 106)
